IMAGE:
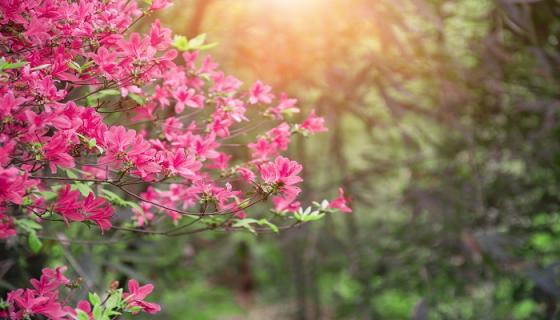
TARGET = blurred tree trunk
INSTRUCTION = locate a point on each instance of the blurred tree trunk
(195, 24)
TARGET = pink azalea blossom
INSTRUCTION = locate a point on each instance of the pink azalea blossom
(340, 203)
(285, 106)
(8, 103)
(183, 164)
(160, 4)
(187, 97)
(283, 173)
(314, 124)
(13, 185)
(286, 203)
(98, 210)
(246, 174)
(68, 204)
(72, 208)
(136, 295)
(55, 151)
(260, 93)
(6, 226)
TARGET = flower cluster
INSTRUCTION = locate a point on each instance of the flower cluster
(81, 94)
(44, 299)
(91, 112)
(71, 208)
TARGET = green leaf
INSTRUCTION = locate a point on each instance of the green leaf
(3, 304)
(314, 217)
(267, 223)
(207, 46)
(91, 100)
(246, 224)
(94, 299)
(114, 198)
(197, 41)
(114, 300)
(48, 195)
(87, 65)
(84, 188)
(41, 67)
(543, 241)
(524, 309)
(71, 174)
(34, 243)
(74, 65)
(92, 143)
(97, 312)
(28, 225)
(138, 99)
(181, 42)
(11, 65)
(81, 315)
(26, 201)
(134, 309)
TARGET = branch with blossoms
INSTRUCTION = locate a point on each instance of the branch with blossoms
(94, 117)
(45, 298)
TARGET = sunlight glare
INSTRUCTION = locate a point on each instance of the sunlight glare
(294, 5)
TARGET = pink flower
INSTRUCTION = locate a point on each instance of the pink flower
(68, 204)
(119, 140)
(286, 203)
(260, 93)
(55, 151)
(136, 295)
(340, 203)
(286, 105)
(263, 149)
(277, 139)
(220, 162)
(95, 172)
(160, 38)
(283, 172)
(6, 226)
(26, 302)
(13, 185)
(125, 91)
(42, 299)
(246, 174)
(135, 47)
(8, 103)
(172, 127)
(179, 163)
(50, 280)
(224, 84)
(314, 124)
(280, 136)
(37, 29)
(71, 208)
(6, 149)
(160, 4)
(106, 61)
(84, 306)
(187, 97)
(125, 146)
(98, 210)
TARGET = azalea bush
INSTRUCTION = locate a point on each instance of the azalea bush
(136, 133)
